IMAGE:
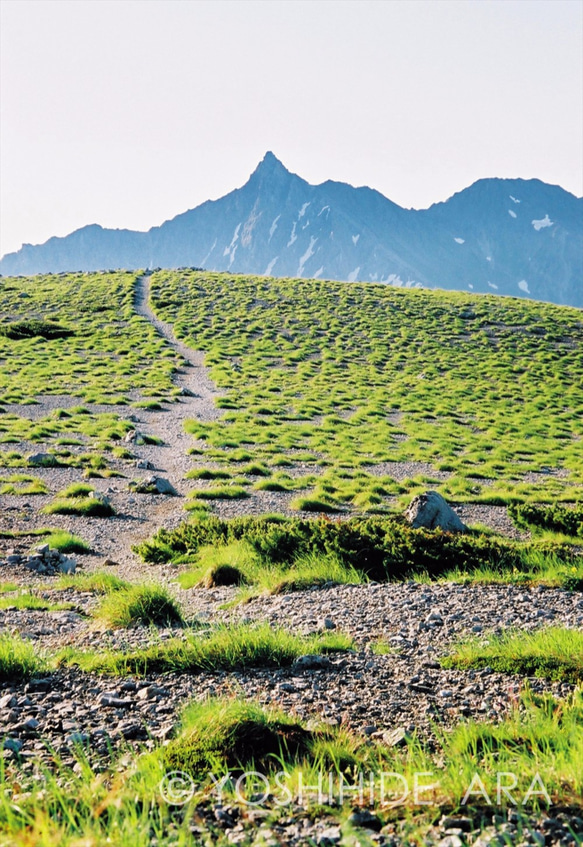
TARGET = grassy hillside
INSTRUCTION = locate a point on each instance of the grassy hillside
(484, 392)
(77, 334)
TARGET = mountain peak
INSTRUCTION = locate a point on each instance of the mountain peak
(270, 165)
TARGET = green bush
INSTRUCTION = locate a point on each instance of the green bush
(379, 548)
(18, 330)
(556, 517)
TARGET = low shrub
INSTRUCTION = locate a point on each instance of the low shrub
(381, 548)
(556, 518)
(19, 330)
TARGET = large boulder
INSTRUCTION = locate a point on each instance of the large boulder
(430, 511)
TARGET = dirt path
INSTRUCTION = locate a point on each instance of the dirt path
(138, 516)
(169, 460)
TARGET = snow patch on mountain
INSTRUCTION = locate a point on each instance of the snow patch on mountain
(460, 240)
(309, 252)
(353, 274)
(206, 258)
(319, 272)
(302, 211)
(230, 250)
(355, 239)
(493, 285)
(511, 213)
(544, 222)
(523, 285)
(293, 237)
(324, 209)
(273, 227)
(393, 279)
(514, 200)
(269, 268)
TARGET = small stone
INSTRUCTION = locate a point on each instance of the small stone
(457, 822)
(364, 818)
(311, 662)
(67, 565)
(13, 744)
(332, 835)
(115, 702)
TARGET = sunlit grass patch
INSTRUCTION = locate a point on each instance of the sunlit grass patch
(137, 604)
(22, 484)
(67, 542)
(19, 659)
(99, 582)
(223, 648)
(553, 653)
(34, 601)
(79, 499)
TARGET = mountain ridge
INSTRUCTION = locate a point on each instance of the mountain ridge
(516, 237)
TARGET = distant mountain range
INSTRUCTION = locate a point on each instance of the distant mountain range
(507, 236)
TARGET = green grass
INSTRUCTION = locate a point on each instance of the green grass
(239, 564)
(554, 653)
(121, 802)
(110, 352)
(222, 649)
(137, 604)
(79, 499)
(23, 485)
(556, 518)
(229, 734)
(380, 548)
(358, 376)
(225, 492)
(66, 542)
(99, 582)
(19, 659)
(34, 601)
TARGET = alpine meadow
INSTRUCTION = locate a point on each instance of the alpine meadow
(228, 612)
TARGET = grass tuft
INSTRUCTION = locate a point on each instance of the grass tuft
(225, 648)
(139, 604)
(554, 653)
(19, 659)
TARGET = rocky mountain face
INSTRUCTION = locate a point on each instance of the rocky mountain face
(516, 237)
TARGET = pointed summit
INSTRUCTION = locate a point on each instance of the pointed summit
(270, 167)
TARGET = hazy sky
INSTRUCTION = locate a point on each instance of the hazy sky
(127, 112)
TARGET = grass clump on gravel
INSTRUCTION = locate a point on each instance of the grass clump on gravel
(222, 649)
(220, 734)
(80, 499)
(19, 658)
(32, 600)
(139, 604)
(66, 542)
(23, 485)
(99, 582)
(130, 801)
(555, 653)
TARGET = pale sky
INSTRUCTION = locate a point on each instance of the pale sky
(128, 112)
